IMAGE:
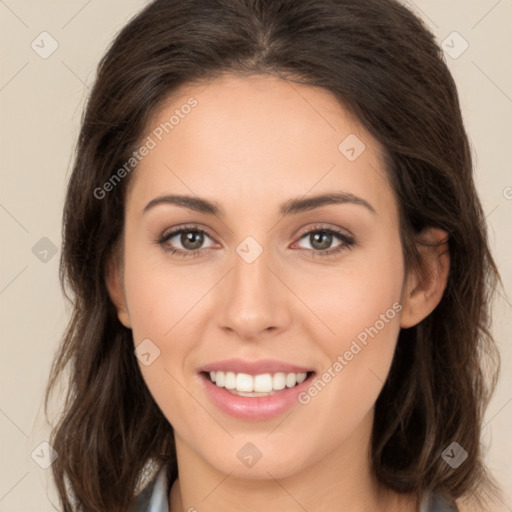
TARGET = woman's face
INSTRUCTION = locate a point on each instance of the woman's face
(289, 262)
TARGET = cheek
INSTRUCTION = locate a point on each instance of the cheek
(362, 307)
(161, 296)
(161, 302)
(362, 294)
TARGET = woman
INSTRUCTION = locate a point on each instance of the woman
(279, 267)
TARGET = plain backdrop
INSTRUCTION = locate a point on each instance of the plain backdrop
(41, 101)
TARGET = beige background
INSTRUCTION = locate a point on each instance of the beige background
(41, 101)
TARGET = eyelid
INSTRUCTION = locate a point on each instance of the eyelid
(186, 227)
(324, 227)
(183, 253)
(347, 240)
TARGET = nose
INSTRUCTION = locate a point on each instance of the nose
(253, 302)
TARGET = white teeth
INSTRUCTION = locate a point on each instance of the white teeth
(230, 380)
(263, 383)
(260, 385)
(244, 382)
(291, 380)
(301, 377)
(220, 377)
(279, 381)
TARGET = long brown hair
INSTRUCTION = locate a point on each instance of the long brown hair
(384, 66)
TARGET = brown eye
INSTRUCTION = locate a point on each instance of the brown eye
(321, 240)
(191, 240)
(185, 241)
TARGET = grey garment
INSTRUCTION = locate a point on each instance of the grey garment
(433, 503)
(155, 497)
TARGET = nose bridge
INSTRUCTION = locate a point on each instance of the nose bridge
(253, 299)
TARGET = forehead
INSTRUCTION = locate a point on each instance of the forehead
(258, 138)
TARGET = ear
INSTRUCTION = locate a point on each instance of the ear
(424, 287)
(115, 287)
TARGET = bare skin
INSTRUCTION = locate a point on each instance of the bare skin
(252, 144)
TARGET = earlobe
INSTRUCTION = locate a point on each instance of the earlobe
(425, 286)
(114, 284)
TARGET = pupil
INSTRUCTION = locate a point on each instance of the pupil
(317, 238)
(192, 240)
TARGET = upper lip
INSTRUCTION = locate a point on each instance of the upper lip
(257, 367)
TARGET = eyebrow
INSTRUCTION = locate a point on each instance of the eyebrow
(290, 207)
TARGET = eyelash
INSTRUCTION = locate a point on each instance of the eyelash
(347, 241)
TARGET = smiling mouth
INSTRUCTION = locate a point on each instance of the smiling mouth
(265, 384)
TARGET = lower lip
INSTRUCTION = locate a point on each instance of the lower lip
(254, 408)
